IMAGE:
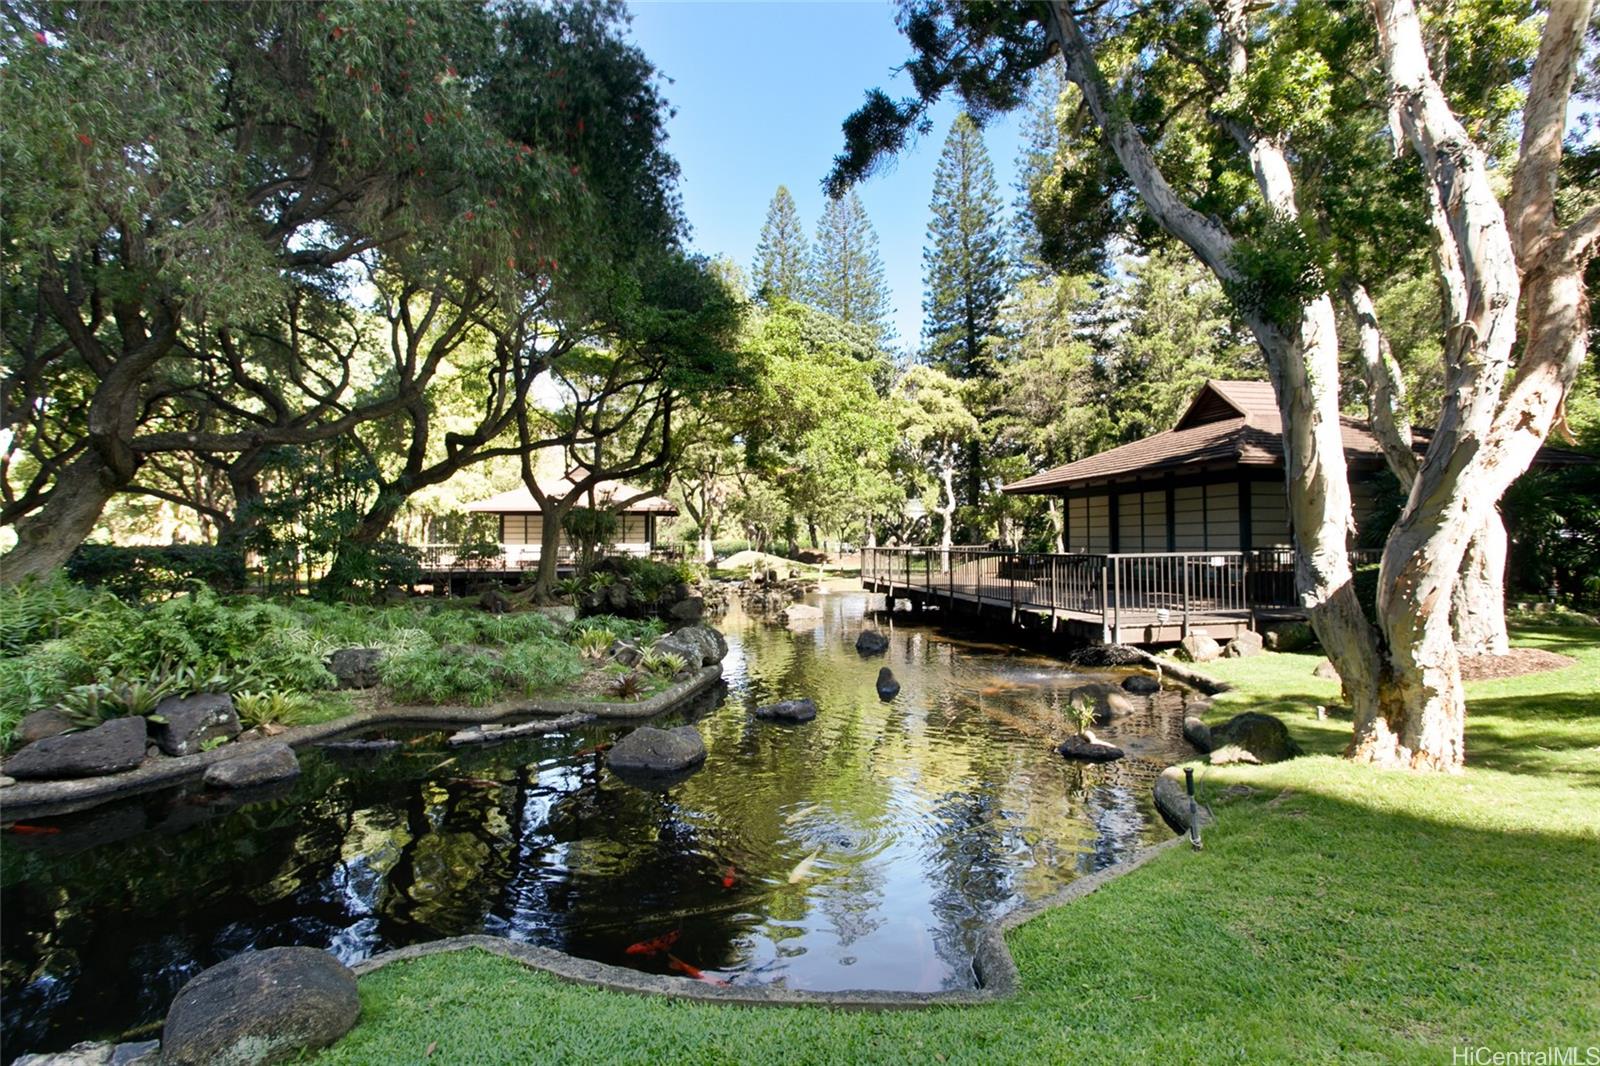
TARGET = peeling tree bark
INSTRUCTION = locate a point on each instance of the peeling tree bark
(1478, 606)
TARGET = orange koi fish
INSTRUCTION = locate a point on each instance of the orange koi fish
(654, 946)
(675, 963)
(34, 830)
(596, 750)
(727, 878)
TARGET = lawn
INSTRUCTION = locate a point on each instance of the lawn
(1337, 913)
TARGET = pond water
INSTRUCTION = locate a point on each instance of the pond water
(862, 850)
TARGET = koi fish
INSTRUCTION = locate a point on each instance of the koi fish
(474, 782)
(801, 813)
(802, 871)
(654, 946)
(675, 963)
(727, 878)
(34, 830)
(596, 750)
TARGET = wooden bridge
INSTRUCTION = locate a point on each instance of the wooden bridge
(1126, 598)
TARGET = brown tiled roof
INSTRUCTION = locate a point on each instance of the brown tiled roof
(1229, 423)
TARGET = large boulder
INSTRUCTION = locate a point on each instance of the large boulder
(689, 609)
(109, 748)
(1290, 636)
(357, 667)
(1326, 670)
(1086, 748)
(1244, 645)
(697, 645)
(789, 711)
(800, 616)
(93, 1053)
(872, 642)
(1101, 656)
(42, 724)
(888, 685)
(263, 764)
(184, 725)
(1141, 684)
(261, 1007)
(1199, 648)
(648, 750)
(1259, 738)
(1172, 800)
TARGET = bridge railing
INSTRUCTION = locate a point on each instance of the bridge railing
(1121, 588)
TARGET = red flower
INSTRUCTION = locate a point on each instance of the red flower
(338, 32)
(39, 36)
(85, 140)
(574, 171)
(471, 216)
(427, 116)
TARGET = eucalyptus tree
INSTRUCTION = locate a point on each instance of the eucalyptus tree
(1224, 173)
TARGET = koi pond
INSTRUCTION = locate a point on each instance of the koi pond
(862, 850)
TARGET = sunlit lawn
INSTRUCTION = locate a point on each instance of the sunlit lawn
(1337, 913)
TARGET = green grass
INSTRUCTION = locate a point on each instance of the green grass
(1337, 913)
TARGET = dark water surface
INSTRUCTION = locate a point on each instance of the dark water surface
(922, 820)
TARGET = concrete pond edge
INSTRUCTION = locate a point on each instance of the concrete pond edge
(998, 976)
(27, 799)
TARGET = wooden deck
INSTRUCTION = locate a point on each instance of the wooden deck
(1143, 598)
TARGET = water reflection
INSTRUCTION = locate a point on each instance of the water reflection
(864, 849)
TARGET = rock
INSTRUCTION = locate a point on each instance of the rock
(109, 748)
(1260, 736)
(1141, 684)
(648, 750)
(1196, 708)
(800, 616)
(627, 653)
(872, 642)
(7, 782)
(272, 761)
(888, 686)
(1326, 670)
(1085, 747)
(1290, 636)
(41, 724)
(1172, 801)
(261, 1007)
(182, 725)
(789, 711)
(688, 609)
(1199, 648)
(1101, 656)
(1197, 733)
(494, 601)
(562, 613)
(697, 645)
(1232, 755)
(91, 1053)
(1244, 645)
(356, 667)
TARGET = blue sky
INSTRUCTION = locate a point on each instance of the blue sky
(760, 90)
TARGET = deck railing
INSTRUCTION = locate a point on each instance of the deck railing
(1121, 589)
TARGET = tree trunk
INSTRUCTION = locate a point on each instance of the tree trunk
(549, 551)
(946, 512)
(1478, 605)
(47, 537)
(1058, 526)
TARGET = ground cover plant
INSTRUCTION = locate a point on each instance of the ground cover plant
(1337, 911)
(97, 656)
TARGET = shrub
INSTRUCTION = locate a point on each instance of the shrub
(618, 628)
(36, 611)
(442, 675)
(133, 573)
(539, 664)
